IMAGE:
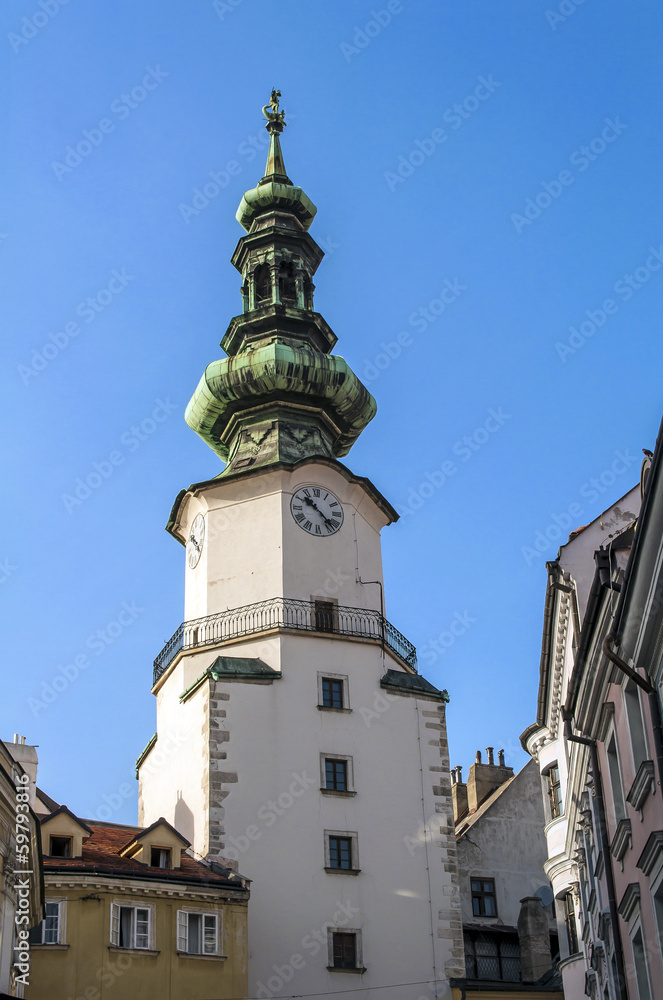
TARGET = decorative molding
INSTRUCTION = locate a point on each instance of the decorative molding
(622, 840)
(630, 901)
(652, 855)
(643, 785)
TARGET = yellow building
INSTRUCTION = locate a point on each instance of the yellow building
(129, 913)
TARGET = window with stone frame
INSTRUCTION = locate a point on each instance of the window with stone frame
(344, 949)
(636, 724)
(484, 901)
(615, 774)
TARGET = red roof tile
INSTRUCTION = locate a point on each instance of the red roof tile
(100, 854)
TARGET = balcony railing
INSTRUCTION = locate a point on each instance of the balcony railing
(282, 612)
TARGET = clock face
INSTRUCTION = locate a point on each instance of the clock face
(316, 510)
(194, 545)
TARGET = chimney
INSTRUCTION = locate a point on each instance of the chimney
(26, 756)
(458, 794)
(500, 758)
(534, 937)
(485, 778)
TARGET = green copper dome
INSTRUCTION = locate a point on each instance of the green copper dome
(281, 395)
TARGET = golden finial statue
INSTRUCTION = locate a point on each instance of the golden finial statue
(275, 118)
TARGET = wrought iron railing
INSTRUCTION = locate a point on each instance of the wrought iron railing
(283, 612)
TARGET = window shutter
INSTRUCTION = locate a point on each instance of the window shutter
(210, 944)
(182, 930)
(115, 924)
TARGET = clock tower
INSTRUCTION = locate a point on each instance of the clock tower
(296, 739)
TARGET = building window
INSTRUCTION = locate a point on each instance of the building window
(197, 933)
(345, 950)
(160, 857)
(492, 956)
(325, 616)
(130, 926)
(616, 785)
(483, 897)
(554, 786)
(341, 852)
(48, 931)
(287, 283)
(658, 911)
(332, 692)
(640, 963)
(336, 774)
(635, 724)
(60, 847)
(569, 911)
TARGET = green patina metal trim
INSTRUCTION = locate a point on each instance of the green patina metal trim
(145, 752)
(227, 667)
(412, 684)
(275, 369)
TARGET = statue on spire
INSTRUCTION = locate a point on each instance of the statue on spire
(275, 118)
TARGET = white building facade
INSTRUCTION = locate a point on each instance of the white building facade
(295, 737)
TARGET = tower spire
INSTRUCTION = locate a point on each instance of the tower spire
(275, 169)
(280, 395)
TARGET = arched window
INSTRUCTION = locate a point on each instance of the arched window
(263, 284)
(287, 283)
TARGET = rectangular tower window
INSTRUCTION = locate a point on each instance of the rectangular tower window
(344, 950)
(325, 616)
(336, 774)
(483, 897)
(340, 852)
(332, 692)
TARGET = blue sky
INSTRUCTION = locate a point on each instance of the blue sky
(487, 179)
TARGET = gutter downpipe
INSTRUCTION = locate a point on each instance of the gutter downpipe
(650, 690)
(605, 848)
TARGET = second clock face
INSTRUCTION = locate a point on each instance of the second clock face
(316, 510)
(194, 545)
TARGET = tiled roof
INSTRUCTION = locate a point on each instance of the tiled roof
(100, 854)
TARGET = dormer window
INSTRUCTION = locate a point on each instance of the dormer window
(263, 284)
(160, 857)
(60, 847)
(287, 283)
